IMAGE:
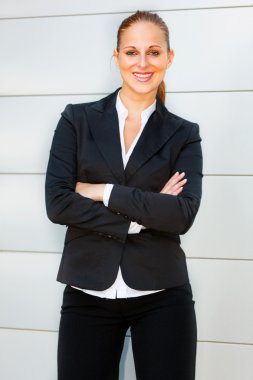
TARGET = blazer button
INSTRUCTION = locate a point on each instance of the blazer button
(109, 236)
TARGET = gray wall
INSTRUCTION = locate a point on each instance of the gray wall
(56, 52)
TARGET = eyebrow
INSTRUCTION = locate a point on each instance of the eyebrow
(133, 47)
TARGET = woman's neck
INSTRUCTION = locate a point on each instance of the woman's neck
(134, 102)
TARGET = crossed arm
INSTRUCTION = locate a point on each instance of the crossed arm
(80, 205)
(174, 186)
(95, 192)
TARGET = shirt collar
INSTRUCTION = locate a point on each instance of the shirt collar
(123, 112)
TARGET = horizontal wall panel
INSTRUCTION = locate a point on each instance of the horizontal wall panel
(24, 224)
(224, 362)
(225, 121)
(28, 355)
(31, 297)
(222, 117)
(28, 131)
(53, 60)
(214, 361)
(222, 229)
(224, 309)
(27, 8)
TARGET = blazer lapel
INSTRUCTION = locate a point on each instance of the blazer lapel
(159, 129)
(104, 125)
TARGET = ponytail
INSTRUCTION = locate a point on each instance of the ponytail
(161, 91)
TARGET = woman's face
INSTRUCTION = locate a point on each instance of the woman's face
(143, 57)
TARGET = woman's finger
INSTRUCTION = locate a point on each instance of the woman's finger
(178, 191)
(174, 179)
(171, 188)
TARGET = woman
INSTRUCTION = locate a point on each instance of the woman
(124, 175)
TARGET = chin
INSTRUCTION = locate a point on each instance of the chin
(143, 88)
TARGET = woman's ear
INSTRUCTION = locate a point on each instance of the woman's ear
(171, 55)
(115, 55)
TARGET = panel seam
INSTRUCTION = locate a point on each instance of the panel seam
(125, 12)
(127, 335)
(107, 93)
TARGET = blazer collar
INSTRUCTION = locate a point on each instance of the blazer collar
(103, 123)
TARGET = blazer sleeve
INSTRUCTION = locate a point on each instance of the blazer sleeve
(168, 213)
(63, 204)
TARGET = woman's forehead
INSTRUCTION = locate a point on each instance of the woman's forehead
(143, 32)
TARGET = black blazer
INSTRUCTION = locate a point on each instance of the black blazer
(86, 147)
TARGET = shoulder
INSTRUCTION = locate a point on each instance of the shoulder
(80, 116)
(183, 125)
(187, 124)
(187, 130)
(73, 111)
(78, 109)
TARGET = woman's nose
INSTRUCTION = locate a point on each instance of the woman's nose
(143, 60)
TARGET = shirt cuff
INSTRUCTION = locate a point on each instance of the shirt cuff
(134, 228)
(107, 193)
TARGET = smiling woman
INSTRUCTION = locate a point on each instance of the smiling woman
(143, 55)
(116, 177)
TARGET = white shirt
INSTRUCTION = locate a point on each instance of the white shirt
(119, 288)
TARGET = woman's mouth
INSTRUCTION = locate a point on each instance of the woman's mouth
(142, 77)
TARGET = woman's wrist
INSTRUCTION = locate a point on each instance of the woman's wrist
(94, 191)
(99, 192)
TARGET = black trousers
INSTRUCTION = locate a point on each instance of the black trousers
(92, 332)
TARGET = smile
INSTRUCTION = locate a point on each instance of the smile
(143, 77)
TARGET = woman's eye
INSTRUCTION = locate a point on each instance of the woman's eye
(131, 53)
(154, 53)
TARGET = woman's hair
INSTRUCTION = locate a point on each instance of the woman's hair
(148, 17)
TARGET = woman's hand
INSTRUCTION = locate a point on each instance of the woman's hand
(93, 191)
(175, 184)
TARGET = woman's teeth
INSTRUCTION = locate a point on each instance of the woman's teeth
(143, 77)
